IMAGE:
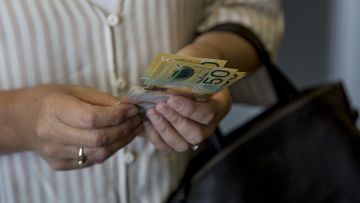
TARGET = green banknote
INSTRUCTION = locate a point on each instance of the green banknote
(196, 60)
(180, 76)
(196, 78)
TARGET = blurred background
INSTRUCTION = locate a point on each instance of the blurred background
(321, 45)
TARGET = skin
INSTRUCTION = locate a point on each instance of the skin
(54, 121)
(180, 122)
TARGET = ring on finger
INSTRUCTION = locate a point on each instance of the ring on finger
(81, 160)
(194, 147)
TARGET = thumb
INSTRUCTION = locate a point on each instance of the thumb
(93, 96)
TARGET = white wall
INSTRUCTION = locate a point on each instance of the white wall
(345, 47)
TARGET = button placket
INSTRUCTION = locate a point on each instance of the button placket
(113, 19)
(129, 157)
(120, 83)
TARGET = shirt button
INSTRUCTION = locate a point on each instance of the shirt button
(129, 157)
(120, 83)
(113, 19)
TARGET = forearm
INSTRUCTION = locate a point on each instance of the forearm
(17, 110)
(9, 138)
(224, 45)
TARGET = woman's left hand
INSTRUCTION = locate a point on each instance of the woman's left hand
(181, 122)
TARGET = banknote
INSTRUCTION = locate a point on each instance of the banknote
(160, 57)
(196, 78)
(143, 98)
(190, 77)
(164, 58)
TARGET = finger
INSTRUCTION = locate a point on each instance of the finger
(67, 164)
(79, 114)
(105, 152)
(202, 112)
(190, 130)
(61, 164)
(93, 96)
(94, 137)
(93, 155)
(68, 158)
(155, 138)
(166, 131)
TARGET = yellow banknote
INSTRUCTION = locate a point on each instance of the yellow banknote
(190, 77)
(196, 78)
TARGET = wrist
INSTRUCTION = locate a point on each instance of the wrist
(18, 112)
(9, 122)
(238, 51)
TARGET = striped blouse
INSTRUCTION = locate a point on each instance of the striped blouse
(106, 45)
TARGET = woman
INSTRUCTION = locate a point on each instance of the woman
(65, 65)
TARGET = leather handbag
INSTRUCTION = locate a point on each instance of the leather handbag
(305, 148)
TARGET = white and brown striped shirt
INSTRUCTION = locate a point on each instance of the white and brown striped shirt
(106, 44)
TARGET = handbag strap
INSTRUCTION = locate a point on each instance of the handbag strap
(284, 89)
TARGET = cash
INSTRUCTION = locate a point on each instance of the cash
(196, 78)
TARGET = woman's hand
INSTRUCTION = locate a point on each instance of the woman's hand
(55, 121)
(181, 122)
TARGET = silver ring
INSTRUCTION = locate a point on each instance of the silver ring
(81, 158)
(194, 147)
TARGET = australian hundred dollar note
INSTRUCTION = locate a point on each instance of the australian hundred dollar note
(196, 78)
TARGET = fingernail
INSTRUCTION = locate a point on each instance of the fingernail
(155, 119)
(174, 104)
(162, 108)
(118, 102)
(132, 111)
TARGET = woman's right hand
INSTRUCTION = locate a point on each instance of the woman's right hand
(56, 120)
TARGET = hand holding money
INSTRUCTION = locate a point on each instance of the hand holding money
(196, 78)
(182, 98)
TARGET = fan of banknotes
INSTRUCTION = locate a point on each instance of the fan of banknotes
(196, 78)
